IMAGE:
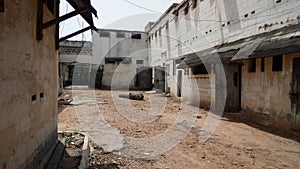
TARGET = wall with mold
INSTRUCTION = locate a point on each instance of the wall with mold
(29, 84)
(265, 95)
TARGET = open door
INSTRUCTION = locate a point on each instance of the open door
(295, 94)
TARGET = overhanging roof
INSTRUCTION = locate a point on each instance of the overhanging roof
(212, 55)
(277, 45)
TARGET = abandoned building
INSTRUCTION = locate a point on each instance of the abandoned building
(29, 81)
(75, 62)
(124, 57)
(257, 43)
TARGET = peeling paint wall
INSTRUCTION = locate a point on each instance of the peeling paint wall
(29, 84)
(265, 95)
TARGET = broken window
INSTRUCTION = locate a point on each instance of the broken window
(105, 34)
(140, 62)
(136, 36)
(126, 61)
(252, 65)
(277, 63)
(1, 5)
(262, 65)
(200, 69)
(50, 5)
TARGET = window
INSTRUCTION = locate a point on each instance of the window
(252, 65)
(105, 34)
(1, 5)
(262, 64)
(277, 63)
(120, 35)
(136, 36)
(126, 61)
(50, 5)
(200, 69)
(139, 62)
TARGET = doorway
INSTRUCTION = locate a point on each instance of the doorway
(179, 83)
(294, 95)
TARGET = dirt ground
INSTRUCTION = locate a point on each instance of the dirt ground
(235, 143)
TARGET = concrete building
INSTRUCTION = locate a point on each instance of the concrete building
(75, 62)
(187, 40)
(29, 80)
(125, 59)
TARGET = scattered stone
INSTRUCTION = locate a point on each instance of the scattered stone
(72, 143)
(138, 130)
(79, 142)
(103, 102)
(248, 149)
(159, 116)
(147, 154)
(203, 156)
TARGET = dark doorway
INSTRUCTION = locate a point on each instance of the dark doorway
(179, 83)
(159, 78)
(295, 95)
(143, 78)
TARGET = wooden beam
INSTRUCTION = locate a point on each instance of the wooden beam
(65, 17)
(75, 33)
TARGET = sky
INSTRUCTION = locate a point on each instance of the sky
(115, 14)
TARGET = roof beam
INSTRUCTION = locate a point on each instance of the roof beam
(65, 17)
(75, 33)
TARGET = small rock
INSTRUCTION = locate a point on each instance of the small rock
(199, 117)
(147, 154)
(72, 143)
(78, 142)
(248, 148)
(235, 163)
(138, 130)
(203, 156)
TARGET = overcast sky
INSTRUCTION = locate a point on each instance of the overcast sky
(116, 14)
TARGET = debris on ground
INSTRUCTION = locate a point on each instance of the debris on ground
(73, 150)
(132, 96)
(65, 99)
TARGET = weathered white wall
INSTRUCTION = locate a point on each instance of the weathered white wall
(28, 67)
(212, 23)
(273, 103)
(113, 46)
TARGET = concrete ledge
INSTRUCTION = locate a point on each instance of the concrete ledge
(84, 163)
(57, 154)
